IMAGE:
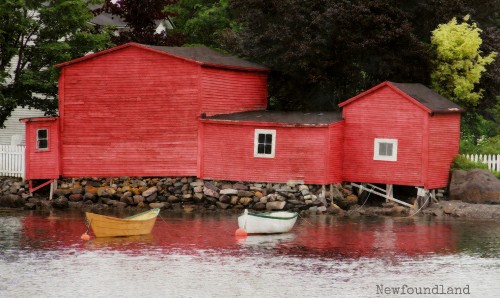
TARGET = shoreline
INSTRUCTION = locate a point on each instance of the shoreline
(191, 195)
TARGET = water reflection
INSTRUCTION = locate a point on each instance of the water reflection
(322, 235)
(197, 255)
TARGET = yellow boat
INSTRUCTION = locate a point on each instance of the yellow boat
(108, 226)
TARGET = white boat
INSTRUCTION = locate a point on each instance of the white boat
(268, 222)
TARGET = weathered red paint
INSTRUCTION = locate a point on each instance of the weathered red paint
(42, 164)
(427, 142)
(133, 111)
(300, 155)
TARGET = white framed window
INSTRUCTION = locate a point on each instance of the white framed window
(264, 143)
(385, 149)
(42, 139)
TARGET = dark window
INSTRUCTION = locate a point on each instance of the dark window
(265, 145)
(42, 139)
(385, 149)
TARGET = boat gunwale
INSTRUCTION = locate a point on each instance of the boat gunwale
(127, 219)
(156, 210)
(263, 215)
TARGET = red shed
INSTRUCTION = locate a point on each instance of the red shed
(133, 109)
(403, 134)
(273, 147)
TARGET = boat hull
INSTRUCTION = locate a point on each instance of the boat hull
(108, 226)
(267, 223)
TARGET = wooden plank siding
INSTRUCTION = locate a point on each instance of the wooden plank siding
(383, 114)
(228, 153)
(229, 91)
(42, 164)
(444, 141)
(335, 153)
(132, 112)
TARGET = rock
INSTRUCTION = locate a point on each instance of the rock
(303, 187)
(222, 205)
(346, 202)
(90, 196)
(91, 189)
(157, 205)
(77, 190)
(245, 193)
(276, 205)
(60, 203)
(210, 192)
(263, 200)
(322, 209)
(12, 201)
(245, 201)
(150, 191)
(211, 186)
(136, 199)
(198, 197)
(76, 197)
(121, 205)
(234, 200)
(173, 199)
(259, 206)
(127, 200)
(229, 191)
(476, 186)
(240, 186)
(151, 198)
(61, 192)
(198, 189)
(225, 199)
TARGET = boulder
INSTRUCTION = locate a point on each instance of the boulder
(210, 192)
(76, 197)
(225, 199)
(151, 198)
(11, 201)
(346, 202)
(276, 205)
(245, 201)
(60, 203)
(150, 191)
(476, 186)
(229, 191)
(137, 199)
(222, 205)
(259, 206)
(173, 199)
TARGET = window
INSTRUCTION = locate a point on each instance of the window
(42, 139)
(264, 143)
(386, 149)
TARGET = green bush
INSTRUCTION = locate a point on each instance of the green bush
(462, 163)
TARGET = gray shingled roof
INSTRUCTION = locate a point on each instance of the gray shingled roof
(429, 98)
(107, 19)
(206, 55)
(313, 118)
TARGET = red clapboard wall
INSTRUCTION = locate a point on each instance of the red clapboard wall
(240, 90)
(444, 142)
(228, 153)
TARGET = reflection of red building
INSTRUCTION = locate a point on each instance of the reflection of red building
(195, 232)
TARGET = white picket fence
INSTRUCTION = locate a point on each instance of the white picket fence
(492, 160)
(12, 161)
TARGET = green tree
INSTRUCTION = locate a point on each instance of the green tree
(459, 62)
(34, 36)
(207, 22)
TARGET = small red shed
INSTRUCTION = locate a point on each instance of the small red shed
(273, 146)
(402, 134)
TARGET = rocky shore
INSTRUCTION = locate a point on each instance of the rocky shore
(189, 194)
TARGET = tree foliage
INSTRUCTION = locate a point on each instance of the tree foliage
(208, 22)
(34, 36)
(459, 63)
(142, 17)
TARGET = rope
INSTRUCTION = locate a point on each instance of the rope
(423, 205)
(369, 193)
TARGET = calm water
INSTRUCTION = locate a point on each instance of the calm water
(196, 255)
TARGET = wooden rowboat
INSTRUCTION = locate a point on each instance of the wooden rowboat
(267, 222)
(108, 226)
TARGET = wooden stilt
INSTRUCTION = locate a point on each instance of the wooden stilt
(323, 191)
(331, 192)
(389, 191)
(380, 192)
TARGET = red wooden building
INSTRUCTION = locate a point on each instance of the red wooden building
(137, 110)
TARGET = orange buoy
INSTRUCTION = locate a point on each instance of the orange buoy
(85, 237)
(240, 233)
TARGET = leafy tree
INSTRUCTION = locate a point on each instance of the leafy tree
(459, 63)
(142, 16)
(34, 36)
(207, 22)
